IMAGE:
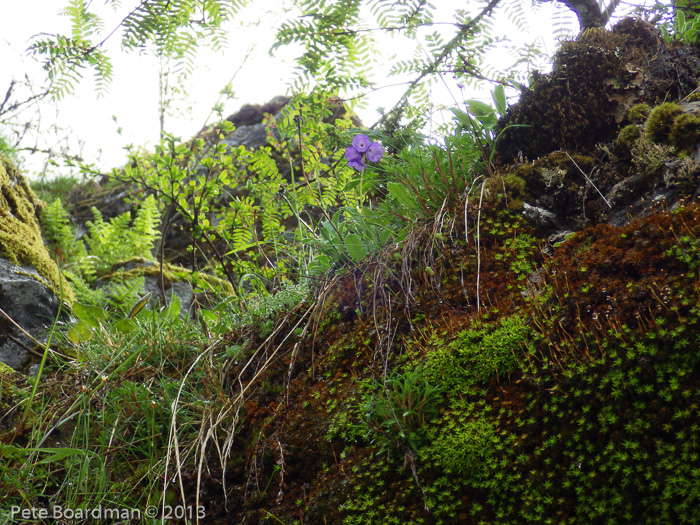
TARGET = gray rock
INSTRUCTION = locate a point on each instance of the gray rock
(27, 305)
(182, 290)
(252, 137)
(539, 216)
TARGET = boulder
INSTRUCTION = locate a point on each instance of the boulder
(28, 308)
(30, 282)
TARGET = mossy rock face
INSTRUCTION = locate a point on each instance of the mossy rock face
(596, 80)
(176, 280)
(557, 184)
(29, 279)
(675, 124)
(21, 242)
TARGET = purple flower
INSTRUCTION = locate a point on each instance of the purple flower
(362, 149)
(354, 157)
(361, 143)
(375, 152)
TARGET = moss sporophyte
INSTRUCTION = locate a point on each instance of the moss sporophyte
(363, 149)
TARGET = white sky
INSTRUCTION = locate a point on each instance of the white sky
(133, 96)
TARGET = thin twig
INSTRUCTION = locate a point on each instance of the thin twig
(588, 179)
(478, 249)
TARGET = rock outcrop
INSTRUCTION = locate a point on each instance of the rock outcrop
(582, 133)
(29, 279)
(596, 79)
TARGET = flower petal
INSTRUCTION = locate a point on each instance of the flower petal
(352, 154)
(357, 164)
(361, 142)
(375, 152)
(354, 157)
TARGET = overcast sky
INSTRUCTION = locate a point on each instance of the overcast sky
(133, 96)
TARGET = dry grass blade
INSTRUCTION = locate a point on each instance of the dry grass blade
(588, 179)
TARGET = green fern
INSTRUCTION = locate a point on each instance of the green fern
(107, 243)
(175, 28)
(60, 233)
(121, 238)
(80, 282)
(124, 290)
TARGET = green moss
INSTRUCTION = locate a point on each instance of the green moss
(171, 274)
(462, 443)
(528, 172)
(510, 187)
(11, 383)
(20, 235)
(565, 161)
(478, 355)
(639, 112)
(575, 107)
(532, 176)
(685, 132)
(660, 122)
(627, 137)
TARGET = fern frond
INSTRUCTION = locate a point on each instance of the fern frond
(145, 228)
(176, 28)
(60, 233)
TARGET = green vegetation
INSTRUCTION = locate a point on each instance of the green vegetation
(390, 342)
(660, 121)
(107, 243)
(477, 355)
(397, 412)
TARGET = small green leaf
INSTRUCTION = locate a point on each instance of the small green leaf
(125, 326)
(499, 98)
(57, 454)
(172, 311)
(319, 265)
(402, 194)
(91, 315)
(80, 332)
(479, 109)
(8, 451)
(355, 247)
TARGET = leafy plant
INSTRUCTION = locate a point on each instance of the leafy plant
(241, 202)
(353, 233)
(397, 411)
(172, 27)
(424, 177)
(684, 29)
(106, 243)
